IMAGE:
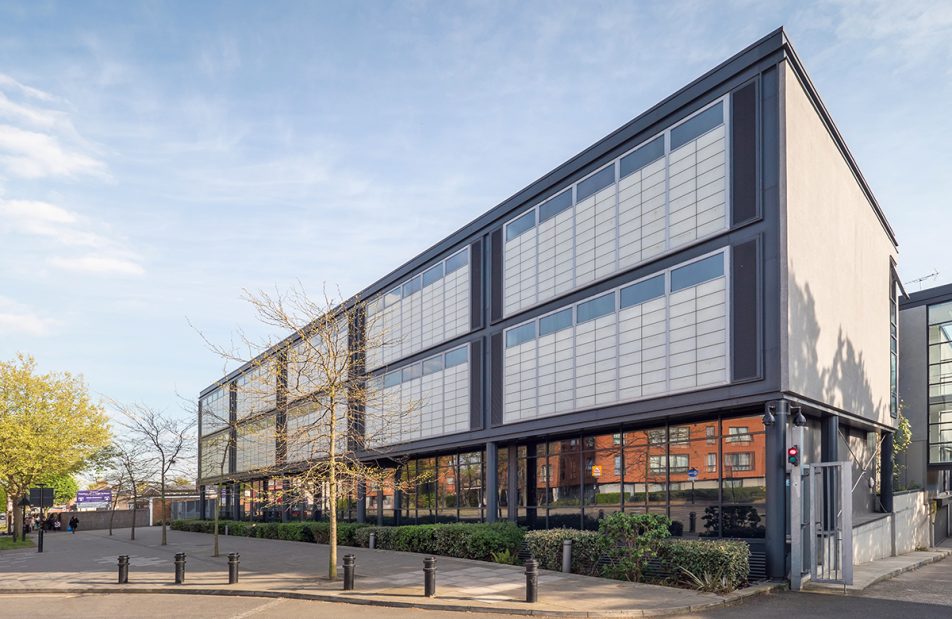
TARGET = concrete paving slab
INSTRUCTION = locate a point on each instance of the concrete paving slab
(86, 562)
(868, 574)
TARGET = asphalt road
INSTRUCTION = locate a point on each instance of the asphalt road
(920, 594)
(136, 606)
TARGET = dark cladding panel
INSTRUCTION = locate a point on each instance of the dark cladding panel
(476, 385)
(770, 130)
(744, 154)
(495, 383)
(745, 302)
(476, 285)
(495, 275)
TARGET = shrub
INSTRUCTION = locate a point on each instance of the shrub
(721, 565)
(465, 541)
(633, 540)
(587, 548)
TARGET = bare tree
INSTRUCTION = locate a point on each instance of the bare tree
(167, 442)
(339, 420)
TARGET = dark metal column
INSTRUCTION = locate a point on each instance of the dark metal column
(532, 498)
(362, 501)
(830, 440)
(776, 474)
(512, 485)
(201, 502)
(886, 473)
(397, 497)
(492, 487)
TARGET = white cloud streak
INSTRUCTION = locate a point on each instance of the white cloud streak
(16, 318)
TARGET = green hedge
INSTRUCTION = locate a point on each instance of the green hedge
(717, 560)
(465, 541)
(313, 532)
(587, 548)
(722, 560)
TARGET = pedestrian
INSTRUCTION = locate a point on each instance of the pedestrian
(74, 524)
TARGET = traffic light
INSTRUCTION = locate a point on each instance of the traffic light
(793, 455)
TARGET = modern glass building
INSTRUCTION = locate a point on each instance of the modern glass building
(609, 337)
(925, 319)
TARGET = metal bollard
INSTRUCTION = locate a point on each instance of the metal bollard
(39, 539)
(429, 577)
(373, 540)
(123, 569)
(233, 560)
(226, 529)
(180, 568)
(532, 581)
(567, 556)
(692, 522)
(350, 562)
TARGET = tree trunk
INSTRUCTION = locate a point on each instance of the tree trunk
(115, 502)
(332, 495)
(217, 511)
(18, 523)
(135, 507)
(165, 539)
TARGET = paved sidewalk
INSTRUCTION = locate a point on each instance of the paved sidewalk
(873, 572)
(271, 568)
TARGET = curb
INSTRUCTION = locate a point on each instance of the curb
(730, 598)
(938, 555)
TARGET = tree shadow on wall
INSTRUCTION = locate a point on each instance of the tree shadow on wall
(840, 379)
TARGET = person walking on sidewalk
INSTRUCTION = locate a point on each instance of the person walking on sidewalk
(74, 524)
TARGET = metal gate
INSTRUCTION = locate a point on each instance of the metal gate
(821, 523)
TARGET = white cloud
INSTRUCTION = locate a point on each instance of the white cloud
(101, 265)
(65, 228)
(8, 83)
(16, 318)
(30, 154)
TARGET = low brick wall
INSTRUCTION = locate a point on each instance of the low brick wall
(97, 521)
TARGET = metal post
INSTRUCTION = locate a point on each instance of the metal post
(846, 521)
(123, 569)
(492, 485)
(39, 537)
(226, 529)
(180, 568)
(350, 562)
(532, 581)
(886, 473)
(692, 522)
(796, 515)
(233, 561)
(373, 540)
(429, 577)
(362, 501)
(567, 556)
(776, 478)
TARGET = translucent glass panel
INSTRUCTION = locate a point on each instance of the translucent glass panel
(214, 459)
(309, 429)
(663, 334)
(256, 391)
(255, 445)
(662, 195)
(215, 410)
(421, 400)
(310, 359)
(940, 383)
(424, 311)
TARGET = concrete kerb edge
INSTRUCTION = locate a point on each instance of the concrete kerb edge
(317, 597)
(938, 555)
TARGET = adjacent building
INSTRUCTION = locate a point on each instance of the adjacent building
(610, 337)
(925, 353)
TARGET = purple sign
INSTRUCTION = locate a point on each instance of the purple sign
(93, 498)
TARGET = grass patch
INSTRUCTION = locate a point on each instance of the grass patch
(7, 543)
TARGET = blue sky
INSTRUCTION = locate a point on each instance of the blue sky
(158, 157)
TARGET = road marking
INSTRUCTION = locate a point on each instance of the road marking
(255, 611)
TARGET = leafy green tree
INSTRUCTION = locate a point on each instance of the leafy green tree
(48, 424)
(64, 487)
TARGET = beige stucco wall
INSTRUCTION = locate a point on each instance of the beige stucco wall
(837, 274)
